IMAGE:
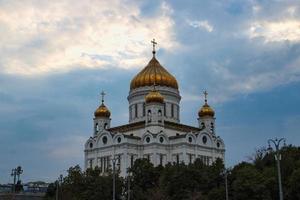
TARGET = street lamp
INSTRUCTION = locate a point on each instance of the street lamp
(128, 182)
(225, 173)
(114, 175)
(59, 182)
(16, 172)
(277, 156)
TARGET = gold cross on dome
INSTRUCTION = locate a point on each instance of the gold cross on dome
(153, 43)
(205, 95)
(102, 94)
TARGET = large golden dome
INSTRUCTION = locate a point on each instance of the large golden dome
(154, 96)
(152, 74)
(102, 111)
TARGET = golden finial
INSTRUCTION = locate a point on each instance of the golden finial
(153, 43)
(102, 94)
(205, 96)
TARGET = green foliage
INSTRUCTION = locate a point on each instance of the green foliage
(79, 185)
(145, 178)
(255, 180)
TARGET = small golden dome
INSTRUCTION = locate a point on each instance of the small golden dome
(102, 111)
(154, 96)
(153, 73)
(206, 110)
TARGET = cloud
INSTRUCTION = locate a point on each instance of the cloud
(65, 148)
(201, 24)
(40, 37)
(276, 31)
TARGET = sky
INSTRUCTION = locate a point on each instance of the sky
(57, 56)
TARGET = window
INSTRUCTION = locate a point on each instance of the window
(161, 139)
(177, 111)
(104, 164)
(165, 110)
(108, 163)
(212, 126)
(205, 159)
(204, 139)
(203, 125)
(218, 144)
(91, 145)
(144, 109)
(159, 116)
(172, 110)
(101, 164)
(147, 139)
(97, 127)
(190, 139)
(177, 158)
(136, 110)
(149, 115)
(105, 126)
(131, 160)
(130, 112)
(190, 158)
(161, 159)
(119, 162)
(104, 140)
(91, 163)
(119, 139)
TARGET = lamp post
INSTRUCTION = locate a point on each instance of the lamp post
(114, 176)
(225, 174)
(276, 142)
(226, 184)
(16, 172)
(61, 181)
(128, 184)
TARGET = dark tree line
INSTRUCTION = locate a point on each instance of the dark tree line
(255, 180)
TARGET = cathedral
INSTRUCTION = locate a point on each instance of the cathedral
(154, 130)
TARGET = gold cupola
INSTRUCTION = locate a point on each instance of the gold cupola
(153, 73)
(102, 110)
(206, 110)
(154, 96)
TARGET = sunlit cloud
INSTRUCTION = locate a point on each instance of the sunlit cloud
(205, 25)
(58, 36)
(276, 31)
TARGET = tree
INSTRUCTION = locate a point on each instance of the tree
(249, 184)
(255, 180)
(144, 178)
(91, 185)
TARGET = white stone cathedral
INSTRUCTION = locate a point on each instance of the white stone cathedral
(154, 130)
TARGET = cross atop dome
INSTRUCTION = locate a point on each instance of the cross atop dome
(205, 96)
(102, 96)
(153, 44)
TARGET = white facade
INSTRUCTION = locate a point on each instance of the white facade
(154, 132)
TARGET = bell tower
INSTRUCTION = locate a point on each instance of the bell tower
(206, 116)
